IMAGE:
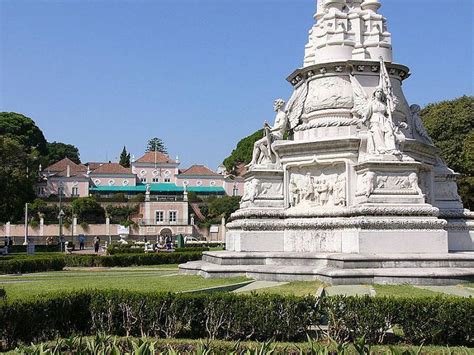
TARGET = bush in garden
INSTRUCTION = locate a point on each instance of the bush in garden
(444, 321)
(32, 264)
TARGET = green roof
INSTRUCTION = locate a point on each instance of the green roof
(161, 187)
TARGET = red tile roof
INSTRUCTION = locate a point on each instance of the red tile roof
(94, 165)
(60, 165)
(112, 169)
(60, 168)
(155, 157)
(199, 170)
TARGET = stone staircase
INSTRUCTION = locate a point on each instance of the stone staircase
(338, 269)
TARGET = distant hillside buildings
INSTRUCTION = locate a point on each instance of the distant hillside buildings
(154, 172)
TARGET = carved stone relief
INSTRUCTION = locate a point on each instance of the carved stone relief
(256, 188)
(317, 187)
(329, 93)
(371, 182)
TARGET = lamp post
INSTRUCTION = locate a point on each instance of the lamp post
(61, 215)
(26, 224)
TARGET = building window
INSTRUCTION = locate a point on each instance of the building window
(75, 192)
(160, 217)
(235, 191)
(97, 182)
(111, 182)
(173, 216)
(199, 183)
(143, 180)
(125, 182)
(167, 180)
(155, 179)
(213, 183)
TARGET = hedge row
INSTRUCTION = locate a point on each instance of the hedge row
(57, 262)
(115, 249)
(236, 317)
(33, 264)
(38, 248)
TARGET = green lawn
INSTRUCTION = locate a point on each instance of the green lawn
(162, 278)
(405, 291)
(297, 288)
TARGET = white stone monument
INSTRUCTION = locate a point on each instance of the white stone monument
(358, 193)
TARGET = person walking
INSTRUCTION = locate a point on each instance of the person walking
(82, 241)
(96, 244)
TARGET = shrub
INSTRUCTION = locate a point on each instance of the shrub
(3, 294)
(32, 264)
(235, 317)
(38, 248)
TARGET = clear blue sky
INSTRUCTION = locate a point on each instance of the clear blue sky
(200, 74)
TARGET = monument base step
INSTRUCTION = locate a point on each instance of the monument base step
(338, 269)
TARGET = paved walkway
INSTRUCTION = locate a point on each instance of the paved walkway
(451, 290)
(258, 285)
(350, 290)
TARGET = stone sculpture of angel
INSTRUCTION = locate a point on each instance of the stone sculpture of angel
(374, 114)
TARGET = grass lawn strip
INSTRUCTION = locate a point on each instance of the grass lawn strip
(405, 291)
(297, 288)
(133, 281)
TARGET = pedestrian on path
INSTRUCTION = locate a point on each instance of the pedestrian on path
(82, 241)
(96, 244)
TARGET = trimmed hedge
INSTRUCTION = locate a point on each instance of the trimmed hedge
(29, 264)
(33, 264)
(236, 317)
(115, 249)
(38, 248)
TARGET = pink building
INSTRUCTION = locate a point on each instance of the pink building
(65, 177)
(154, 168)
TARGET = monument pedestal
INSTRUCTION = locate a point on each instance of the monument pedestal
(359, 193)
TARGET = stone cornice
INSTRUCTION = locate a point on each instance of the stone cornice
(396, 71)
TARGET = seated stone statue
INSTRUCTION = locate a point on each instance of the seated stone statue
(263, 152)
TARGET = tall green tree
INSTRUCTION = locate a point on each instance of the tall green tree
(125, 158)
(24, 130)
(58, 151)
(451, 126)
(242, 154)
(156, 145)
(16, 185)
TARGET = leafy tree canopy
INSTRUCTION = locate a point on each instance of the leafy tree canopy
(24, 131)
(88, 210)
(124, 158)
(16, 186)
(451, 126)
(242, 154)
(58, 151)
(156, 145)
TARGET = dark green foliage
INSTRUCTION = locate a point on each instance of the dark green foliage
(451, 126)
(31, 264)
(23, 130)
(3, 294)
(218, 207)
(242, 154)
(437, 321)
(54, 248)
(124, 158)
(58, 151)
(114, 249)
(228, 316)
(156, 145)
(88, 210)
(121, 214)
(16, 187)
(45, 318)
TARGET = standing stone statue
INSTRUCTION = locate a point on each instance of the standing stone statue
(376, 113)
(263, 152)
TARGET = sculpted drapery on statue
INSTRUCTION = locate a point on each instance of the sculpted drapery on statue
(377, 114)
